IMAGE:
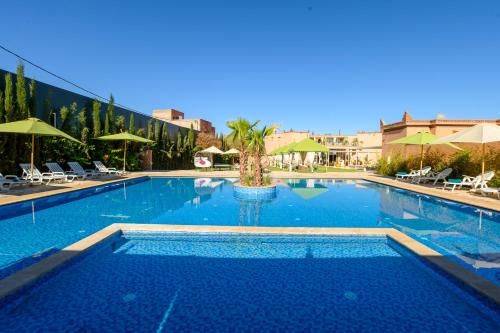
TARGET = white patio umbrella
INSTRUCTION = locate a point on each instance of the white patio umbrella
(482, 133)
(231, 151)
(211, 151)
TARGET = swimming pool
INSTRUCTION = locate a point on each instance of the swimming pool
(213, 283)
(32, 230)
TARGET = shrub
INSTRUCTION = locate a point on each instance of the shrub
(398, 163)
(463, 162)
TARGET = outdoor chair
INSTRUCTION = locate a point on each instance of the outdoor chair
(490, 191)
(108, 171)
(435, 176)
(202, 162)
(413, 174)
(38, 177)
(472, 182)
(82, 173)
(7, 182)
(56, 169)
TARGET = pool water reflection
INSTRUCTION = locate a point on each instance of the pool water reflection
(467, 234)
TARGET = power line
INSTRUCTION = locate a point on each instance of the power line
(67, 81)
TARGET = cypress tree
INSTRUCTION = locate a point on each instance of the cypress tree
(131, 124)
(106, 124)
(2, 108)
(3, 139)
(110, 113)
(65, 119)
(157, 130)
(120, 124)
(22, 104)
(82, 119)
(32, 106)
(96, 117)
(82, 126)
(10, 116)
(179, 141)
(164, 133)
(150, 130)
(9, 99)
(191, 137)
(85, 135)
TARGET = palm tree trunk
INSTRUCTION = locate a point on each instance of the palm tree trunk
(258, 170)
(242, 166)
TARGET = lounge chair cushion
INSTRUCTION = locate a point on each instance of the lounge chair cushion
(454, 180)
(402, 173)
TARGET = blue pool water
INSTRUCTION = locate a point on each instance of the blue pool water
(34, 229)
(143, 282)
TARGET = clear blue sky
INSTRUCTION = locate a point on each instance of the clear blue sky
(319, 65)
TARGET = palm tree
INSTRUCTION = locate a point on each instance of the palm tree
(240, 130)
(257, 148)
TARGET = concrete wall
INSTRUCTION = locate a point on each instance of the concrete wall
(60, 97)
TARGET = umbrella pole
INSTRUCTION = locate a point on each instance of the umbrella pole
(32, 154)
(421, 157)
(482, 165)
(124, 155)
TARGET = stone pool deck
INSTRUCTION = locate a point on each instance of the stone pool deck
(463, 196)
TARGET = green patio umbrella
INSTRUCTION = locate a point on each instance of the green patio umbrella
(309, 146)
(421, 138)
(124, 136)
(282, 150)
(33, 126)
(307, 190)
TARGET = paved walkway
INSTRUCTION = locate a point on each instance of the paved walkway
(34, 192)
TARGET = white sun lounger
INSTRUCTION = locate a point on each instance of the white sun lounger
(435, 176)
(472, 182)
(108, 171)
(7, 182)
(78, 170)
(56, 169)
(38, 177)
(490, 191)
(413, 173)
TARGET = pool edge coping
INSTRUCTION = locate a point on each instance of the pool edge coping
(29, 275)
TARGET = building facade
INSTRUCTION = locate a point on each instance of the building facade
(407, 126)
(176, 117)
(361, 148)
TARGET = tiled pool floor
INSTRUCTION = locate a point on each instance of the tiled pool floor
(188, 282)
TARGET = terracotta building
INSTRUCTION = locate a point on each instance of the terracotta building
(360, 148)
(408, 126)
(177, 117)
